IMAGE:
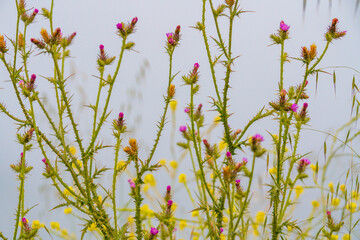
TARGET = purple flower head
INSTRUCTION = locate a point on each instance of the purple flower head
(294, 107)
(228, 154)
(257, 138)
(237, 181)
(284, 27)
(245, 161)
(328, 213)
(196, 66)
(154, 231)
(101, 47)
(44, 161)
(134, 20)
(121, 115)
(168, 188)
(187, 110)
(169, 35)
(169, 203)
(132, 184)
(182, 128)
(120, 26)
(305, 105)
(33, 77)
(221, 230)
(36, 11)
(21, 83)
(24, 221)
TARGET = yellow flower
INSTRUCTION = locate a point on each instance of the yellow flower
(173, 104)
(55, 225)
(331, 186)
(355, 195)
(182, 225)
(173, 164)
(315, 204)
(130, 219)
(298, 190)
(225, 219)
(64, 232)
(351, 206)
(72, 150)
(68, 210)
(182, 178)
(195, 213)
(120, 165)
(256, 232)
(20, 222)
(146, 210)
(260, 216)
(343, 187)
(335, 201)
(289, 228)
(222, 237)
(100, 198)
(162, 162)
(146, 187)
(92, 227)
(217, 119)
(272, 170)
(275, 136)
(222, 145)
(313, 167)
(346, 237)
(67, 192)
(212, 176)
(174, 206)
(149, 178)
(334, 237)
(36, 224)
(195, 238)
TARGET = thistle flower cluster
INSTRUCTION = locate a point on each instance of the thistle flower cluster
(3, 48)
(48, 173)
(282, 35)
(21, 166)
(125, 29)
(25, 137)
(302, 164)
(173, 38)
(103, 58)
(132, 149)
(193, 75)
(255, 144)
(28, 18)
(308, 55)
(212, 153)
(119, 123)
(333, 31)
(232, 168)
(48, 41)
(27, 87)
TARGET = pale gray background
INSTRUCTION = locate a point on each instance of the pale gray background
(253, 84)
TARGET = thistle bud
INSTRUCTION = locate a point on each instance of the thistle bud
(3, 48)
(171, 92)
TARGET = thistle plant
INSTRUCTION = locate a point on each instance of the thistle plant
(221, 189)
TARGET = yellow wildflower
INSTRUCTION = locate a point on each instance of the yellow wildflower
(351, 206)
(72, 150)
(355, 195)
(149, 178)
(173, 104)
(225, 219)
(182, 178)
(182, 225)
(68, 210)
(64, 232)
(313, 167)
(346, 237)
(130, 219)
(272, 170)
(331, 186)
(222, 237)
(335, 201)
(120, 165)
(173, 164)
(55, 225)
(67, 192)
(195, 213)
(343, 187)
(260, 216)
(217, 119)
(298, 190)
(289, 228)
(146, 187)
(222, 145)
(100, 198)
(315, 204)
(334, 237)
(162, 162)
(36, 224)
(92, 227)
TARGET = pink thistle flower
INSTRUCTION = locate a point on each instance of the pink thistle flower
(182, 128)
(168, 189)
(237, 181)
(134, 21)
(228, 154)
(120, 26)
(169, 203)
(187, 110)
(132, 184)
(33, 77)
(245, 161)
(294, 107)
(154, 231)
(257, 138)
(36, 11)
(284, 27)
(221, 230)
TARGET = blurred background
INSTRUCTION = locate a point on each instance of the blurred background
(143, 77)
